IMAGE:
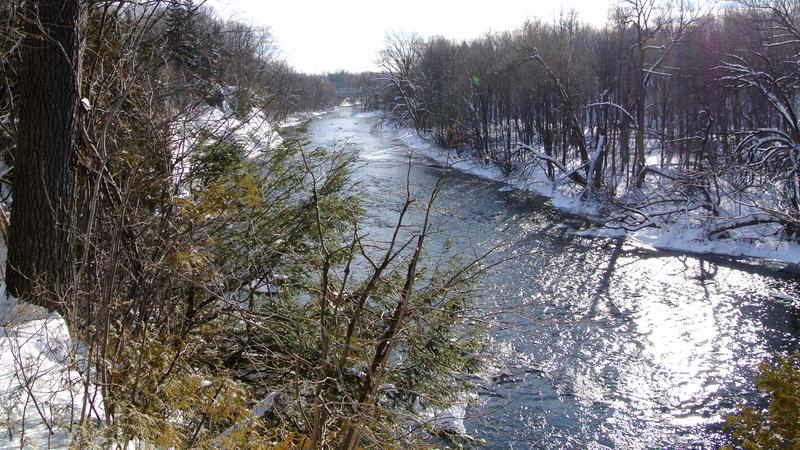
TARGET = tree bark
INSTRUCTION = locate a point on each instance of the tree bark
(40, 242)
(639, 157)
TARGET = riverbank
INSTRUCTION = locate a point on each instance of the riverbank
(687, 235)
(295, 120)
(43, 388)
(593, 343)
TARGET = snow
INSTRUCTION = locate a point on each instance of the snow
(42, 371)
(689, 238)
(41, 390)
(526, 180)
(262, 407)
(295, 120)
(255, 133)
(449, 419)
(263, 287)
(688, 235)
(686, 238)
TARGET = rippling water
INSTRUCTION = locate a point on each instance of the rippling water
(601, 343)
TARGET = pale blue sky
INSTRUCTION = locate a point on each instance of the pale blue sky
(324, 36)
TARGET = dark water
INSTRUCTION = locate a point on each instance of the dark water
(601, 344)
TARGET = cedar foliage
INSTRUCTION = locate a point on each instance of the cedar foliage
(779, 425)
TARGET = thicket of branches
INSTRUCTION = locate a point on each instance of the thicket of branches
(222, 290)
(666, 111)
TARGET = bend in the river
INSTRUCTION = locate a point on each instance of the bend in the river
(603, 344)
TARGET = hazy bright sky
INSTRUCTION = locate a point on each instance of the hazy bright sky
(324, 36)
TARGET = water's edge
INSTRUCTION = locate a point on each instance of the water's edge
(595, 341)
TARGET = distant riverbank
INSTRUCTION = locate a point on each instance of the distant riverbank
(687, 235)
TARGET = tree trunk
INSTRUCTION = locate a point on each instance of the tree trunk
(40, 242)
(639, 157)
(640, 153)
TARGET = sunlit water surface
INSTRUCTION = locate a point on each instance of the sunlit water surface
(597, 343)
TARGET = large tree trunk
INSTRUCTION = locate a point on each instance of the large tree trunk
(40, 241)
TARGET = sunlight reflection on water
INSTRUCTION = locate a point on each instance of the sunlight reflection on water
(596, 343)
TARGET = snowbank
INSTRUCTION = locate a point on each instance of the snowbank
(255, 133)
(684, 236)
(449, 419)
(687, 238)
(532, 181)
(297, 119)
(41, 388)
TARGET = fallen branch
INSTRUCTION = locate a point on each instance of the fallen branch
(572, 174)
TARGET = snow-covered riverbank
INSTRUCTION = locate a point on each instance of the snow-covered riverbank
(682, 235)
(297, 119)
(42, 378)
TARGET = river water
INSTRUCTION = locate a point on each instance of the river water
(602, 344)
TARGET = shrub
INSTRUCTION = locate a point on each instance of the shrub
(779, 425)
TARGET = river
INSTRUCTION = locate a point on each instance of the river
(604, 344)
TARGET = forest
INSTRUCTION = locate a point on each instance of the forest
(669, 113)
(204, 265)
(184, 268)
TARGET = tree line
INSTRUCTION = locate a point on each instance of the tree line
(700, 103)
(221, 290)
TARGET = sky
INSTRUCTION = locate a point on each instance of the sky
(318, 36)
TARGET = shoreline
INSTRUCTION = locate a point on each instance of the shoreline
(678, 237)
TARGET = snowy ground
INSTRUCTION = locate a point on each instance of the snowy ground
(41, 388)
(683, 236)
(255, 133)
(42, 373)
(297, 119)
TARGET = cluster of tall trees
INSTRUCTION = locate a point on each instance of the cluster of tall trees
(216, 53)
(221, 298)
(190, 53)
(700, 102)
